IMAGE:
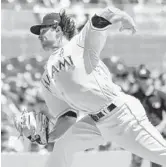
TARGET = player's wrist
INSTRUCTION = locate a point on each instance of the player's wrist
(113, 15)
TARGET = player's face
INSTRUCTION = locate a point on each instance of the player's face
(145, 83)
(50, 37)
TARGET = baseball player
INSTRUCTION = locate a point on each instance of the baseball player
(75, 75)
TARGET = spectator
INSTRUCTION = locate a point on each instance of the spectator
(155, 106)
(121, 77)
(10, 143)
(142, 76)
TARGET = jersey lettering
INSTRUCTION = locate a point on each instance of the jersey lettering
(62, 64)
(46, 82)
(54, 70)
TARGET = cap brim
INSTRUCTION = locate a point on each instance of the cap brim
(36, 29)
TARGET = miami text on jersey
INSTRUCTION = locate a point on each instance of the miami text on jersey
(64, 64)
(46, 82)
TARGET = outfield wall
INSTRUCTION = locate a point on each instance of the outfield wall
(102, 159)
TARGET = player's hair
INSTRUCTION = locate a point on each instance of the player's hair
(68, 25)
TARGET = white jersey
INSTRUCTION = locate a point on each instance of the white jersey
(76, 75)
(55, 105)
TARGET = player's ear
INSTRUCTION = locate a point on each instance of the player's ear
(59, 31)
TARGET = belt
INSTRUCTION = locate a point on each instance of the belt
(104, 112)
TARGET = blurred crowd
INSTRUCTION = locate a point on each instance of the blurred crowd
(20, 78)
(69, 3)
(20, 82)
(147, 86)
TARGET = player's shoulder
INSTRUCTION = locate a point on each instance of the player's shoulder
(55, 57)
(57, 53)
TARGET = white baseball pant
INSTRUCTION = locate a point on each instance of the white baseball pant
(127, 126)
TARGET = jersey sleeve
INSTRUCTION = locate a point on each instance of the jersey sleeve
(92, 39)
(95, 30)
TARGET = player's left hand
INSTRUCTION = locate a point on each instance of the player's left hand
(34, 126)
(127, 23)
(119, 16)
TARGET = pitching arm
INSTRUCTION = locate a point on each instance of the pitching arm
(93, 36)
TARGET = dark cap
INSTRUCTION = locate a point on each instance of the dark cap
(121, 70)
(142, 72)
(48, 20)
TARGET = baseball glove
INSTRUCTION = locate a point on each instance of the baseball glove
(34, 126)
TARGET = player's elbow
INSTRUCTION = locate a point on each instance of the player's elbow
(70, 114)
(99, 22)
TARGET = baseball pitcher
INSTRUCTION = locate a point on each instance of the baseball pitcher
(75, 75)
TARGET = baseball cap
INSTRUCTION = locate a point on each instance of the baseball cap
(48, 20)
(142, 72)
(121, 69)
